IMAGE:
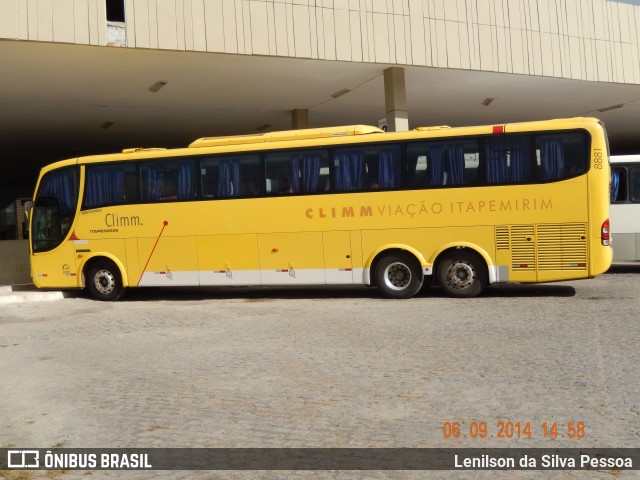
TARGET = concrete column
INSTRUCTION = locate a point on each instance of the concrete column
(19, 219)
(395, 99)
(299, 118)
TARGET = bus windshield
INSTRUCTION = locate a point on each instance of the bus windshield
(54, 208)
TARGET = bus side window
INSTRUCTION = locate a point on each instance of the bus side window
(348, 169)
(114, 184)
(230, 176)
(442, 164)
(635, 185)
(416, 168)
(278, 170)
(618, 185)
(297, 171)
(560, 156)
(158, 181)
(507, 159)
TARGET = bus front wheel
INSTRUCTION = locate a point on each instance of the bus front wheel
(398, 276)
(462, 273)
(104, 281)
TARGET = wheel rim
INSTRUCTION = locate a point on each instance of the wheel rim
(397, 276)
(461, 275)
(104, 282)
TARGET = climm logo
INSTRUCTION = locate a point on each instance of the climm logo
(115, 220)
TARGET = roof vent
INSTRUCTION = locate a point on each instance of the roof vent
(427, 129)
(134, 150)
(286, 135)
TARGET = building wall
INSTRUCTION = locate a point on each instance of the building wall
(577, 39)
(68, 21)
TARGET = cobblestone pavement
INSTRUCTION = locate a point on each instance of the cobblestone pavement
(324, 368)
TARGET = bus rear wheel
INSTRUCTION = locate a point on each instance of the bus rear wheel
(104, 281)
(398, 276)
(462, 273)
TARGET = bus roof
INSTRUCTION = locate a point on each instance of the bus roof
(625, 158)
(348, 134)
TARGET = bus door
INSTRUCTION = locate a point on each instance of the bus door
(54, 259)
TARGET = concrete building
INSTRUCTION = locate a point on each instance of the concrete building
(91, 76)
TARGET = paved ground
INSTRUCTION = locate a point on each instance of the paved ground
(324, 368)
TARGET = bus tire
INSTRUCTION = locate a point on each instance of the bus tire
(104, 281)
(398, 275)
(462, 273)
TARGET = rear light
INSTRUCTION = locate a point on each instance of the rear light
(498, 129)
(604, 233)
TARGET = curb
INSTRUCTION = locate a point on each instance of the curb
(19, 295)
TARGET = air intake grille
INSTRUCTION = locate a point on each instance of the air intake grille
(523, 247)
(554, 246)
(562, 246)
(502, 237)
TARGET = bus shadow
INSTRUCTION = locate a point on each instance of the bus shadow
(266, 294)
(630, 267)
(527, 290)
(249, 294)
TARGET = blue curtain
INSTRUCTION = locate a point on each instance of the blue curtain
(305, 172)
(456, 164)
(228, 179)
(552, 159)
(349, 170)
(152, 183)
(520, 156)
(508, 160)
(225, 188)
(615, 185)
(187, 181)
(63, 187)
(235, 177)
(496, 160)
(104, 186)
(435, 166)
(389, 174)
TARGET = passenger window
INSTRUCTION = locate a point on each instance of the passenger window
(304, 171)
(618, 185)
(113, 184)
(367, 168)
(442, 163)
(231, 176)
(507, 159)
(168, 180)
(560, 156)
(635, 184)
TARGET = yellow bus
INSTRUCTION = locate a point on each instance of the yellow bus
(460, 208)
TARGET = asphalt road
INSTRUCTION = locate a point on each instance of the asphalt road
(326, 368)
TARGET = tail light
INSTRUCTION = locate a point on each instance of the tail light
(605, 237)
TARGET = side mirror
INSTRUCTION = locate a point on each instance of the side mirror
(28, 205)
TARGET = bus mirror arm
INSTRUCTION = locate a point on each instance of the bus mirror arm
(28, 205)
